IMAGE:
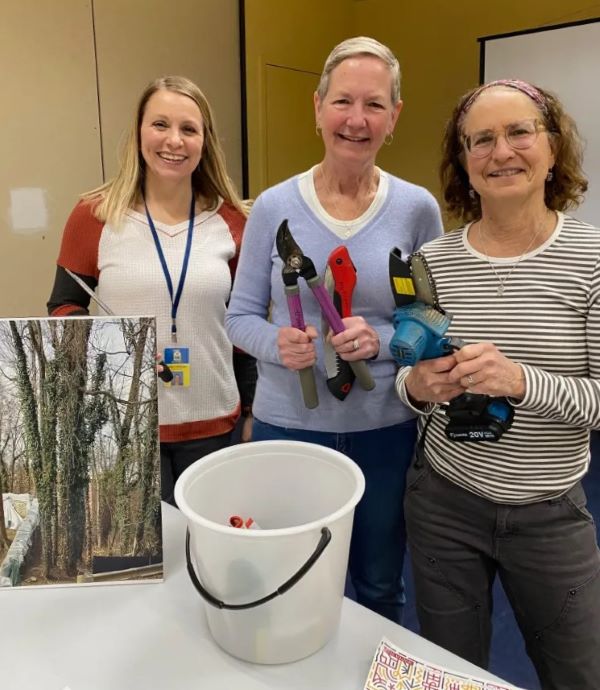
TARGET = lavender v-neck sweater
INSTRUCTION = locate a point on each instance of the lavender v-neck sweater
(409, 217)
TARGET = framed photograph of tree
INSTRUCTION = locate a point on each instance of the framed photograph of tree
(79, 454)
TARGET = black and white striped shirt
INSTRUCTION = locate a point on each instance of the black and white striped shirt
(548, 320)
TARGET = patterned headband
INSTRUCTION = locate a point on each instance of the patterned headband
(528, 89)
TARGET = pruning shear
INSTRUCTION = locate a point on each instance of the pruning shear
(296, 266)
(340, 281)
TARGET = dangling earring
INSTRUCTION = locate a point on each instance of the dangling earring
(549, 176)
(388, 139)
(472, 194)
(318, 130)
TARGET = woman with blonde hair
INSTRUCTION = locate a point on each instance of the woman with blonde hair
(162, 237)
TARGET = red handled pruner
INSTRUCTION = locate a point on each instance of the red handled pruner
(296, 266)
(340, 281)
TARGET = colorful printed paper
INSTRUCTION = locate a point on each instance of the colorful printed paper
(394, 669)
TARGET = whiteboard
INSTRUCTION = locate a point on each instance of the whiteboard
(566, 60)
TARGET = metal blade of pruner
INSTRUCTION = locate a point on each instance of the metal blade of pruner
(287, 247)
(295, 263)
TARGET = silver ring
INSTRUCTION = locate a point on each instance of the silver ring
(470, 380)
(355, 344)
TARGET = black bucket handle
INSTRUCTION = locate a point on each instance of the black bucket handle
(217, 603)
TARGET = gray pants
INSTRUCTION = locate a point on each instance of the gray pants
(546, 556)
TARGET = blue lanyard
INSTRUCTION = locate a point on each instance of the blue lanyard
(165, 268)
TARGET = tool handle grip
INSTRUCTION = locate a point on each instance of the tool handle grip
(360, 368)
(343, 271)
(341, 384)
(327, 305)
(295, 307)
(363, 375)
(309, 387)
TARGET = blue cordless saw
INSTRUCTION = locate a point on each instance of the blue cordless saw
(420, 326)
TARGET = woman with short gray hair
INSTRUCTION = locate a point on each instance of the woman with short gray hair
(344, 200)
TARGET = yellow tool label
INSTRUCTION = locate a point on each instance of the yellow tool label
(404, 286)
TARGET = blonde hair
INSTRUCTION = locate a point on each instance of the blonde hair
(209, 179)
(353, 47)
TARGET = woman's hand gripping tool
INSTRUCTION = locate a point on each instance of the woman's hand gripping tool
(420, 324)
(296, 266)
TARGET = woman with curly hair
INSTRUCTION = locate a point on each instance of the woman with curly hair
(522, 281)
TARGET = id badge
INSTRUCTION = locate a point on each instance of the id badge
(178, 360)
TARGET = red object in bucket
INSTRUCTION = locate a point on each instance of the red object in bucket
(240, 523)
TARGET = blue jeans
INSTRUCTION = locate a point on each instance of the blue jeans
(378, 534)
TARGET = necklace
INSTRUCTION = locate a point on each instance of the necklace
(361, 208)
(502, 280)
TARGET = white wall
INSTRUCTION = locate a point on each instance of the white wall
(567, 61)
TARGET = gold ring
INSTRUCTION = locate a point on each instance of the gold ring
(355, 344)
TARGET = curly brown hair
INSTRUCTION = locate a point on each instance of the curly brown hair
(564, 191)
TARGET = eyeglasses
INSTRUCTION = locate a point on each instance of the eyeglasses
(518, 135)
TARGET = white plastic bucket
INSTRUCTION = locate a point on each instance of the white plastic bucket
(299, 493)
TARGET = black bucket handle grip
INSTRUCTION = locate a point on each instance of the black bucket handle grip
(288, 584)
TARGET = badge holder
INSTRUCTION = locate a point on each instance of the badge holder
(177, 358)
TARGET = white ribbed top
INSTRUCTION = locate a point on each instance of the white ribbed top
(548, 320)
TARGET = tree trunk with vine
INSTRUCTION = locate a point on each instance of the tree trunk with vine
(33, 445)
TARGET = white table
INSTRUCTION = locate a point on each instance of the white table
(154, 636)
